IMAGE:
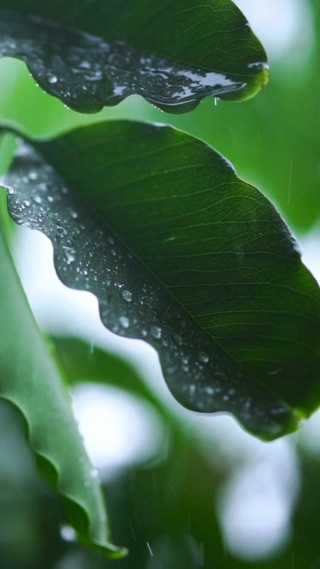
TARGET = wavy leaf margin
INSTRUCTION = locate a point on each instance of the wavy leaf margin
(30, 380)
(87, 72)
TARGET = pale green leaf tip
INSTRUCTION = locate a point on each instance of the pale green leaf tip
(108, 549)
(263, 76)
(261, 80)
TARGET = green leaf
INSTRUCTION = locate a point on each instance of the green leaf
(95, 55)
(185, 255)
(81, 362)
(30, 380)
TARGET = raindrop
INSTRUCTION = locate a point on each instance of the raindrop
(192, 390)
(52, 79)
(203, 357)
(67, 533)
(37, 199)
(61, 232)
(124, 321)
(69, 254)
(73, 214)
(177, 339)
(84, 64)
(82, 271)
(94, 473)
(33, 176)
(156, 332)
(126, 295)
(149, 548)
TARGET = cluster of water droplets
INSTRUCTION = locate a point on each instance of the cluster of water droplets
(88, 73)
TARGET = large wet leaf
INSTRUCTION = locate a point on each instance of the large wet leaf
(182, 253)
(30, 380)
(96, 54)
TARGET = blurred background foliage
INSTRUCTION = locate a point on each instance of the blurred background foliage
(183, 491)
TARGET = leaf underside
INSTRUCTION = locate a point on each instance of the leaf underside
(90, 71)
(30, 380)
(183, 254)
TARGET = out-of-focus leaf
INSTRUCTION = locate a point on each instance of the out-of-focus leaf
(178, 488)
(92, 55)
(82, 362)
(30, 380)
(181, 253)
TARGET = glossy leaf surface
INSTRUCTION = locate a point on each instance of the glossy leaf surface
(92, 55)
(31, 381)
(182, 253)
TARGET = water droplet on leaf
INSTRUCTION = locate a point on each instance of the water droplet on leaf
(69, 254)
(124, 321)
(203, 357)
(156, 332)
(52, 79)
(126, 295)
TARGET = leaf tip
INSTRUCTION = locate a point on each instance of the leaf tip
(261, 79)
(255, 78)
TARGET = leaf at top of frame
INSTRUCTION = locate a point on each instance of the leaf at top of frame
(174, 53)
(183, 254)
